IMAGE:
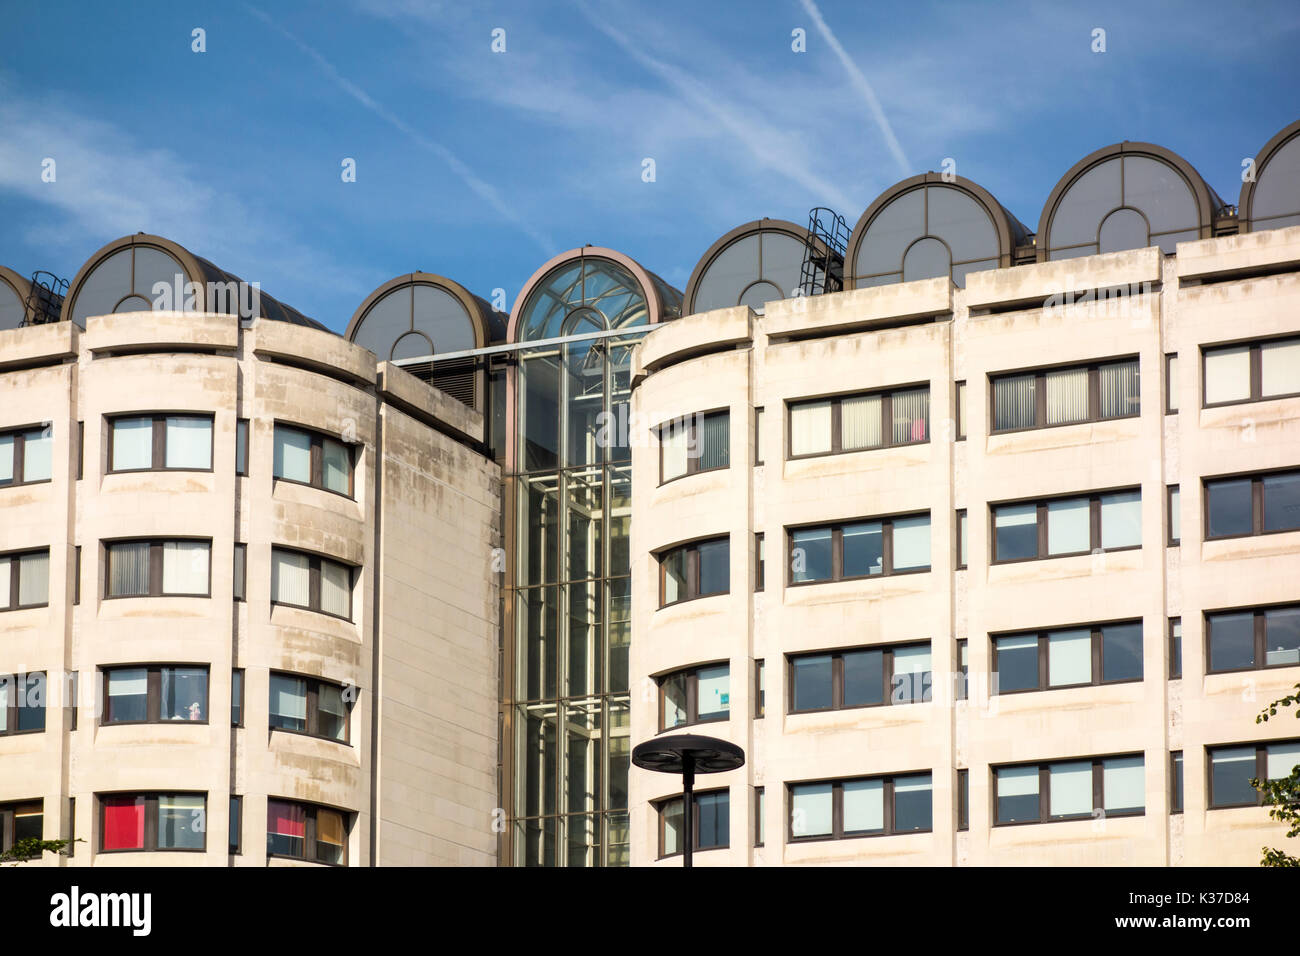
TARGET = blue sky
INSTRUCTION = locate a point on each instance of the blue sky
(480, 165)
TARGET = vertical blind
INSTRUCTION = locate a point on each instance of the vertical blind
(810, 428)
(911, 415)
(1120, 389)
(860, 421)
(185, 567)
(128, 568)
(336, 466)
(132, 443)
(715, 440)
(34, 578)
(1067, 396)
(335, 588)
(189, 442)
(1013, 402)
(290, 578)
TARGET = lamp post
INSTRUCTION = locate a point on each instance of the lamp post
(688, 754)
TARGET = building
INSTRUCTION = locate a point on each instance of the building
(912, 412)
(246, 575)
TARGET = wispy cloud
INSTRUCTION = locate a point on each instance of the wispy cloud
(481, 188)
(861, 85)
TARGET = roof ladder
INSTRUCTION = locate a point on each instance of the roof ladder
(823, 252)
(44, 298)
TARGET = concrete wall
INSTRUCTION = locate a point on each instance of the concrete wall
(1004, 320)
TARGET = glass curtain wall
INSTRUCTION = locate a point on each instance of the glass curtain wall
(569, 588)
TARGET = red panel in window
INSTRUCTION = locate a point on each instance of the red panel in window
(123, 823)
(285, 819)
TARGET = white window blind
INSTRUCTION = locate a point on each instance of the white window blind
(1120, 389)
(1123, 783)
(132, 443)
(714, 686)
(189, 442)
(288, 697)
(864, 805)
(1017, 781)
(758, 435)
(674, 441)
(34, 578)
(292, 454)
(38, 456)
(290, 578)
(1281, 760)
(911, 542)
(912, 660)
(1227, 374)
(4, 582)
(185, 567)
(335, 588)
(128, 682)
(810, 808)
(1069, 658)
(1067, 396)
(1070, 788)
(810, 428)
(1121, 519)
(1172, 383)
(1280, 367)
(1068, 526)
(6, 457)
(336, 466)
(911, 415)
(860, 420)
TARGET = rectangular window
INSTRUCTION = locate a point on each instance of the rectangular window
(961, 411)
(1067, 526)
(861, 677)
(22, 703)
(26, 456)
(24, 580)
(759, 556)
(758, 816)
(1074, 657)
(860, 549)
(758, 436)
(695, 696)
(152, 821)
(21, 821)
(963, 800)
(1175, 648)
(1066, 396)
(304, 831)
(241, 447)
(241, 572)
(236, 814)
(963, 668)
(311, 582)
(1253, 638)
(1174, 516)
(76, 576)
(81, 450)
(962, 554)
(695, 570)
(860, 807)
(160, 442)
(1252, 504)
(1171, 384)
(711, 823)
(695, 443)
(760, 689)
(237, 697)
(1176, 782)
(155, 694)
(1069, 789)
(828, 426)
(310, 706)
(173, 568)
(311, 458)
(1251, 371)
(1232, 768)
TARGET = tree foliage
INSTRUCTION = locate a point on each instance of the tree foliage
(1281, 796)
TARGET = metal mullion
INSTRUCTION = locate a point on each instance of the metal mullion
(14, 564)
(837, 810)
(309, 835)
(20, 457)
(837, 426)
(1094, 523)
(313, 707)
(887, 420)
(1261, 768)
(1044, 648)
(886, 547)
(692, 697)
(1040, 399)
(837, 681)
(317, 462)
(1097, 661)
(837, 553)
(153, 695)
(1257, 505)
(155, 568)
(887, 674)
(888, 800)
(1261, 645)
(1256, 373)
(150, 840)
(313, 584)
(1040, 515)
(1098, 788)
(1094, 393)
(159, 449)
(1044, 793)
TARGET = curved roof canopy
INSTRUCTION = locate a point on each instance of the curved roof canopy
(422, 314)
(13, 299)
(759, 262)
(142, 273)
(1126, 196)
(1272, 200)
(590, 290)
(925, 227)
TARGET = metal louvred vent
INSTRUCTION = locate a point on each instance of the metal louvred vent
(457, 378)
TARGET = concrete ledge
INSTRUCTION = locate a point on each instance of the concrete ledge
(859, 309)
(1039, 281)
(311, 348)
(141, 331)
(1250, 251)
(429, 404)
(39, 345)
(680, 339)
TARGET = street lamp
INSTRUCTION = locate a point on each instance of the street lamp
(688, 754)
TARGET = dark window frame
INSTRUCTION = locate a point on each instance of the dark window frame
(1044, 644)
(962, 537)
(158, 460)
(692, 423)
(837, 677)
(759, 795)
(314, 584)
(663, 803)
(692, 588)
(1175, 648)
(18, 689)
(1171, 384)
(153, 694)
(760, 689)
(76, 576)
(1177, 782)
(759, 413)
(235, 826)
(20, 434)
(314, 711)
(1045, 793)
(240, 573)
(836, 529)
(1258, 502)
(242, 426)
(886, 396)
(155, 568)
(963, 799)
(1260, 637)
(318, 460)
(760, 556)
(837, 808)
(237, 676)
(1040, 394)
(309, 837)
(9, 818)
(1094, 526)
(1261, 770)
(960, 396)
(15, 579)
(1170, 510)
(692, 676)
(81, 450)
(151, 820)
(1256, 370)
